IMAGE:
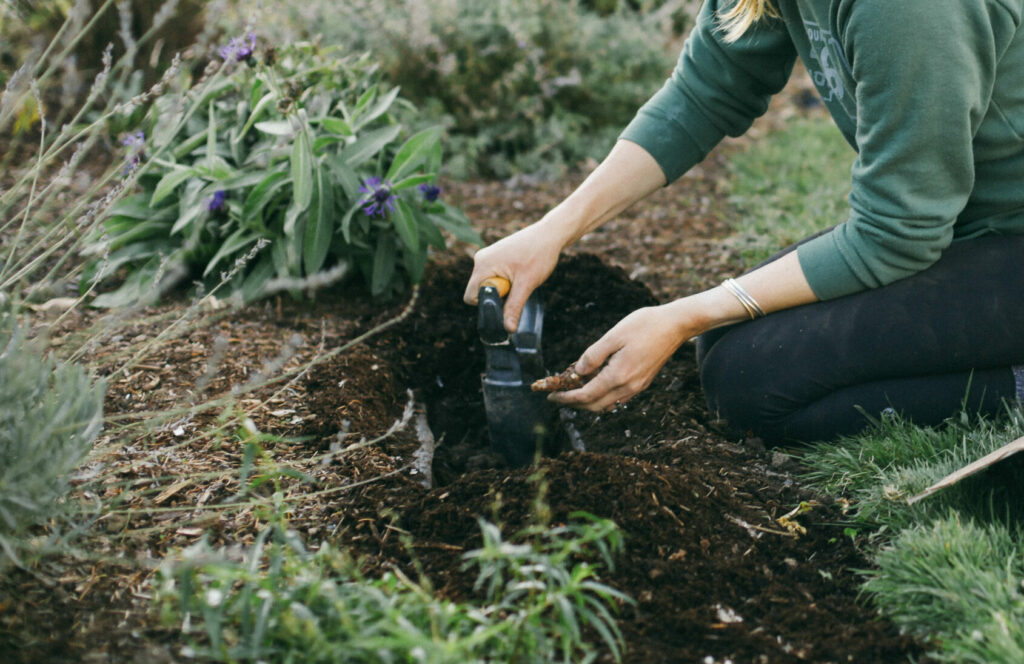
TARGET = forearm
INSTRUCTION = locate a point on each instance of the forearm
(628, 174)
(778, 285)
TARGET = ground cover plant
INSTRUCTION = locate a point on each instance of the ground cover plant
(50, 413)
(949, 565)
(539, 593)
(293, 456)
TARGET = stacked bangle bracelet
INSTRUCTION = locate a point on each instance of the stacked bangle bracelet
(754, 310)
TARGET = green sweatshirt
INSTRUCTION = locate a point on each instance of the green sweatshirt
(930, 94)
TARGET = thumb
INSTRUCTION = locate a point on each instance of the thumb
(470, 296)
(594, 357)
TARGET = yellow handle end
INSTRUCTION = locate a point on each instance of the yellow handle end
(501, 284)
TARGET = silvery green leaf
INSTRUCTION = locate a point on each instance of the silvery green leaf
(302, 169)
(369, 145)
(256, 112)
(234, 244)
(276, 127)
(169, 183)
(404, 222)
(383, 264)
(320, 226)
(378, 109)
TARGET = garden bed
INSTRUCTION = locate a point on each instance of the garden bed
(713, 572)
(715, 576)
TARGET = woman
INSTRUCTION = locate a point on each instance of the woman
(914, 302)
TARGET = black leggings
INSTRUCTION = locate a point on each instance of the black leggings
(927, 346)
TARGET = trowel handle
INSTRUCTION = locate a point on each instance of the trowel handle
(500, 284)
(489, 313)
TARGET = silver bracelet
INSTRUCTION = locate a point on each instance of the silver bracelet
(754, 310)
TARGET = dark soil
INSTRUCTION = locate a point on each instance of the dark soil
(712, 571)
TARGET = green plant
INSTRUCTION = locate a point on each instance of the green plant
(541, 584)
(61, 175)
(894, 460)
(282, 602)
(957, 579)
(297, 149)
(948, 566)
(522, 85)
(50, 413)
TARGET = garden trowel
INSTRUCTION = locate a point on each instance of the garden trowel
(516, 416)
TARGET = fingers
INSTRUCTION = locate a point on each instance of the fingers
(609, 388)
(470, 296)
(525, 259)
(513, 307)
(594, 397)
(481, 271)
(624, 364)
(473, 288)
(596, 355)
(514, 301)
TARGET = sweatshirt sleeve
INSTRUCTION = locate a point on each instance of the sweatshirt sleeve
(924, 71)
(716, 89)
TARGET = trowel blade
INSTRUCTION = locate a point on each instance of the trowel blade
(515, 420)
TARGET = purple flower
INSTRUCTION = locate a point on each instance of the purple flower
(239, 48)
(379, 199)
(135, 142)
(216, 202)
(430, 192)
(132, 164)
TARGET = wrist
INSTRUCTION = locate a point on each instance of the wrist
(562, 226)
(704, 311)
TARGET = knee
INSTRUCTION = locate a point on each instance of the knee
(743, 389)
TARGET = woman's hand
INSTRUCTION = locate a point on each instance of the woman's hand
(631, 353)
(635, 349)
(526, 258)
(529, 257)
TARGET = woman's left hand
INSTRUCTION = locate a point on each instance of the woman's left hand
(631, 353)
(634, 351)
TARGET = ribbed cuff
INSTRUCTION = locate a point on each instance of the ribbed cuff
(825, 268)
(675, 152)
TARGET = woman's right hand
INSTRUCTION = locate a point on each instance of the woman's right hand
(526, 259)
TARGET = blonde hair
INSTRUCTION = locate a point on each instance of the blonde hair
(744, 14)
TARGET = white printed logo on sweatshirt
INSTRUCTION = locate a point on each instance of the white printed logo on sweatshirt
(828, 53)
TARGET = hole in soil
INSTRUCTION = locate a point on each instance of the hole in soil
(445, 358)
(437, 353)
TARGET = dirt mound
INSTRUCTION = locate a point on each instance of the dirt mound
(711, 568)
